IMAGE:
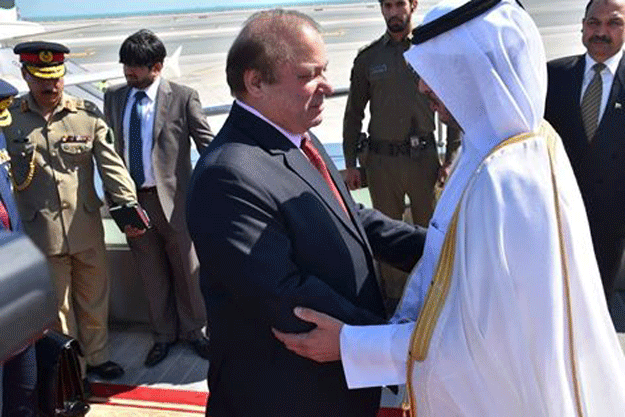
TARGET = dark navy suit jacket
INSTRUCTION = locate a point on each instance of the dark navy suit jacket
(270, 235)
(5, 188)
(599, 164)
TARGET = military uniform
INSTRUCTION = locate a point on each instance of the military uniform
(9, 218)
(53, 173)
(399, 114)
(18, 374)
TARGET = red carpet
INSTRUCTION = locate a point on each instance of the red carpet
(126, 400)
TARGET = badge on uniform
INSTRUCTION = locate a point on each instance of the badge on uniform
(377, 69)
(76, 144)
(5, 161)
(76, 139)
(4, 156)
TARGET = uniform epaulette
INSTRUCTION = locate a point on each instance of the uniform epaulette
(16, 103)
(89, 107)
(369, 45)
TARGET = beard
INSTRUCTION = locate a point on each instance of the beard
(139, 84)
(396, 25)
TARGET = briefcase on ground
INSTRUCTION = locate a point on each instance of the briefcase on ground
(27, 303)
(59, 380)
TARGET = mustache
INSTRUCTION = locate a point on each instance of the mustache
(395, 24)
(395, 19)
(600, 39)
(48, 92)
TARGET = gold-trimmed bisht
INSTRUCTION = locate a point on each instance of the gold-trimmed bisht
(439, 288)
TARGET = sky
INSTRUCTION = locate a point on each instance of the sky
(39, 10)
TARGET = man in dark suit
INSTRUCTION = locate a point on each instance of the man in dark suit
(275, 227)
(153, 120)
(18, 381)
(586, 106)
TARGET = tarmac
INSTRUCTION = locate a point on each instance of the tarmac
(205, 39)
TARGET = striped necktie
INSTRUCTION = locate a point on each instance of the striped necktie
(591, 102)
(317, 161)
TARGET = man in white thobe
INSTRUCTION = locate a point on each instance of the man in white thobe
(522, 329)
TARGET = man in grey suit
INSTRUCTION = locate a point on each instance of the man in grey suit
(153, 120)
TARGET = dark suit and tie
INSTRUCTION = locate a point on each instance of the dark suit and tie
(153, 125)
(19, 377)
(596, 148)
(275, 229)
(283, 240)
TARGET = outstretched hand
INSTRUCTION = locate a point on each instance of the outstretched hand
(321, 344)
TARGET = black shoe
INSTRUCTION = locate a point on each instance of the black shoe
(158, 352)
(200, 346)
(86, 388)
(106, 370)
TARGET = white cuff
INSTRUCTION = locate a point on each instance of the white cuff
(375, 356)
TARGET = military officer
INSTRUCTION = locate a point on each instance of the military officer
(9, 218)
(53, 143)
(19, 376)
(401, 157)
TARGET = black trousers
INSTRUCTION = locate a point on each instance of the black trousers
(19, 382)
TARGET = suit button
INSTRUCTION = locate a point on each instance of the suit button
(52, 153)
(64, 205)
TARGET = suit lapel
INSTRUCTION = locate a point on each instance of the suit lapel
(340, 184)
(163, 98)
(122, 97)
(295, 161)
(614, 100)
(575, 89)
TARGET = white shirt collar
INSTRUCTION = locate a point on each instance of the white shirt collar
(610, 63)
(295, 138)
(151, 91)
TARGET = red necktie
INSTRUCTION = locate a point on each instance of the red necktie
(4, 216)
(313, 156)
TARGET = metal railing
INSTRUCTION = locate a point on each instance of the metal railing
(225, 108)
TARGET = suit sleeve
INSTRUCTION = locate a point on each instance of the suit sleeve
(394, 242)
(199, 129)
(553, 102)
(246, 249)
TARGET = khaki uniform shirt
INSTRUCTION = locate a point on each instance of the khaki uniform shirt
(381, 77)
(52, 168)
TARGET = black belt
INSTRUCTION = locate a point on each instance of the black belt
(147, 190)
(405, 148)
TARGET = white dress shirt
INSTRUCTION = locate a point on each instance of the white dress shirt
(295, 138)
(607, 76)
(147, 114)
